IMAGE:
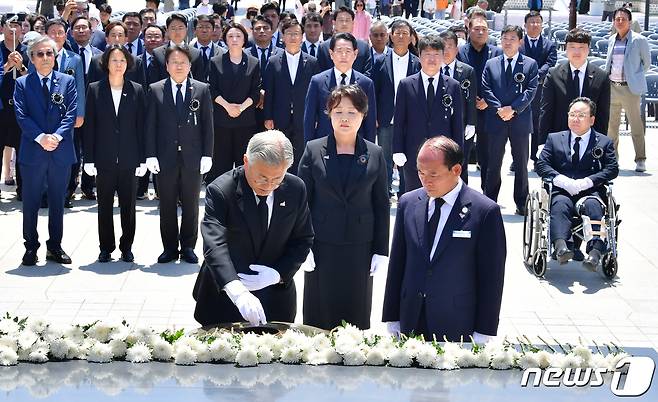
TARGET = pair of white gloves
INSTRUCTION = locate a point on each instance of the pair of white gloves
(377, 263)
(239, 291)
(573, 186)
(400, 159)
(393, 328)
(90, 169)
(154, 166)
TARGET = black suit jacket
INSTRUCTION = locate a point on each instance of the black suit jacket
(382, 77)
(232, 240)
(558, 92)
(235, 88)
(272, 51)
(158, 69)
(112, 139)
(465, 74)
(357, 213)
(282, 96)
(362, 64)
(165, 132)
(134, 74)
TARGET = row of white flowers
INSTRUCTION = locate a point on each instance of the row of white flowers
(37, 341)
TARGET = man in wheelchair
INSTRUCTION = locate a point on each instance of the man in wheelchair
(579, 161)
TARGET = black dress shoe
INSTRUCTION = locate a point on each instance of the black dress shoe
(562, 252)
(127, 256)
(30, 258)
(104, 256)
(44, 203)
(187, 255)
(58, 256)
(520, 211)
(19, 197)
(89, 195)
(142, 196)
(578, 255)
(168, 256)
(512, 167)
(593, 259)
(68, 203)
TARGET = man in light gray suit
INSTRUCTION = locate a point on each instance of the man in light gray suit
(627, 62)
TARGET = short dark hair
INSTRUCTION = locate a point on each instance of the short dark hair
(512, 28)
(531, 14)
(353, 92)
(270, 5)
(578, 35)
(292, 23)
(312, 17)
(458, 28)
(451, 151)
(345, 36)
(239, 27)
(157, 2)
(176, 17)
(178, 48)
(203, 18)
(78, 18)
(477, 12)
(342, 9)
(449, 35)
(219, 8)
(105, 58)
(132, 14)
(261, 18)
(431, 41)
(397, 24)
(56, 21)
(113, 24)
(146, 11)
(624, 10)
(105, 8)
(161, 29)
(587, 101)
(33, 18)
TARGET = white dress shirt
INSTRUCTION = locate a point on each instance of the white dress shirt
(270, 204)
(451, 68)
(208, 51)
(59, 57)
(116, 99)
(135, 46)
(149, 59)
(400, 67)
(88, 56)
(449, 200)
(535, 44)
(426, 81)
(293, 63)
(317, 46)
(174, 89)
(584, 140)
(582, 70)
(50, 86)
(339, 76)
(514, 60)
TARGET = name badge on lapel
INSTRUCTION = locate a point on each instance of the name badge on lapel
(461, 234)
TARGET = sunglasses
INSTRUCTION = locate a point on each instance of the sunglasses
(48, 53)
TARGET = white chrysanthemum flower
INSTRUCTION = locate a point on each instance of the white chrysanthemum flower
(316, 358)
(544, 359)
(59, 348)
(321, 341)
(291, 338)
(138, 353)
(528, 360)
(184, 356)
(445, 362)
(119, 348)
(75, 349)
(375, 357)
(598, 360)
(75, 333)
(162, 350)
(467, 359)
(503, 360)
(290, 355)
(222, 350)
(9, 327)
(9, 342)
(84, 347)
(37, 325)
(53, 332)
(349, 332)
(482, 359)
(250, 340)
(265, 355)
(38, 356)
(26, 339)
(613, 359)
(412, 346)
(202, 353)
(120, 333)
(332, 356)
(247, 357)
(571, 361)
(100, 331)
(140, 334)
(344, 345)
(100, 353)
(399, 358)
(8, 357)
(426, 355)
(584, 353)
(355, 357)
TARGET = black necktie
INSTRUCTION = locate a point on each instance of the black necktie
(262, 213)
(82, 56)
(534, 43)
(433, 223)
(313, 49)
(130, 47)
(508, 71)
(263, 59)
(56, 68)
(204, 49)
(576, 82)
(343, 78)
(179, 101)
(575, 158)
(446, 70)
(430, 94)
(46, 90)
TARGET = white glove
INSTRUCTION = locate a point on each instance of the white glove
(400, 159)
(248, 305)
(566, 183)
(309, 264)
(90, 169)
(481, 339)
(469, 132)
(141, 170)
(393, 328)
(266, 276)
(153, 165)
(584, 184)
(205, 165)
(378, 263)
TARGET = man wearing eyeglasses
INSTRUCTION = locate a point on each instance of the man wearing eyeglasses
(256, 233)
(579, 161)
(45, 101)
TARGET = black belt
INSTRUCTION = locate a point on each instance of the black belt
(619, 83)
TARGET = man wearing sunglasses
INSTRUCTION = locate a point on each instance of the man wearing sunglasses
(45, 101)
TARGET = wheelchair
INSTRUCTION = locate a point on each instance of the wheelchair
(537, 246)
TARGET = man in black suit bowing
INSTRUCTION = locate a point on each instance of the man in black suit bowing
(285, 98)
(256, 221)
(560, 88)
(179, 147)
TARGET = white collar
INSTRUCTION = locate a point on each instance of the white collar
(584, 139)
(451, 65)
(348, 73)
(174, 83)
(514, 58)
(171, 43)
(296, 55)
(537, 38)
(582, 68)
(136, 43)
(395, 55)
(451, 196)
(49, 76)
(427, 77)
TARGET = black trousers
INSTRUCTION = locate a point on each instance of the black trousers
(143, 183)
(482, 147)
(124, 183)
(229, 148)
(518, 139)
(468, 145)
(10, 136)
(411, 8)
(86, 182)
(296, 137)
(534, 137)
(563, 209)
(176, 182)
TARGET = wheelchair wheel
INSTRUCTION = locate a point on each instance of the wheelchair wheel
(539, 263)
(609, 266)
(529, 241)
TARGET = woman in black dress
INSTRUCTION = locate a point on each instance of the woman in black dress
(345, 177)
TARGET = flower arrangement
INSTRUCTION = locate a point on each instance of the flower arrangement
(37, 341)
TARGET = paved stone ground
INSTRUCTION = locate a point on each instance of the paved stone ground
(569, 303)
